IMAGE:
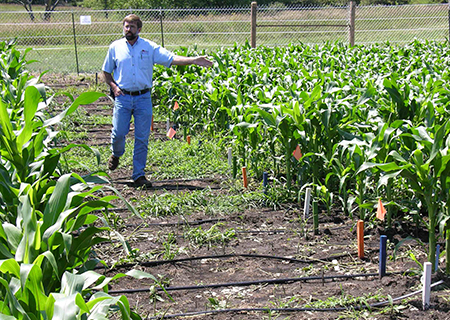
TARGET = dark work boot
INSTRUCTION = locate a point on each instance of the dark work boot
(113, 162)
(142, 182)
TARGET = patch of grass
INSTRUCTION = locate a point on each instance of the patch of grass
(82, 118)
(80, 160)
(199, 237)
(346, 300)
(176, 159)
(71, 135)
(168, 204)
(207, 201)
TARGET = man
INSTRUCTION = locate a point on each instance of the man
(128, 70)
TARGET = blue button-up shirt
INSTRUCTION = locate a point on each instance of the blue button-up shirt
(132, 65)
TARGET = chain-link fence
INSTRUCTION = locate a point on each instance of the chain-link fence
(71, 41)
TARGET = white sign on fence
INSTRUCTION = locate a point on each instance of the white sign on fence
(85, 20)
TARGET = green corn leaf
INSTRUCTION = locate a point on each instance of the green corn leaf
(438, 142)
(31, 100)
(91, 277)
(31, 278)
(50, 232)
(392, 166)
(5, 253)
(8, 137)
(14, 306)
(50, 258)
(83, 99)
(10, 266)
(79, 301)
(71, 284)
(384, 179)
(65, 307)
(100, 303)
(124, 306)
(394, 154)
(13, 235)
(57, 201)
(87, 239)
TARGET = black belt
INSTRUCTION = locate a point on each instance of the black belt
(135, 93)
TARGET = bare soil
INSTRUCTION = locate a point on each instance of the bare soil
(269, 245)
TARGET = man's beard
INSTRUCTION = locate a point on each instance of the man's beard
(130, 36)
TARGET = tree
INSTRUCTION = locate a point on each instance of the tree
(27, 6)
(50, 6)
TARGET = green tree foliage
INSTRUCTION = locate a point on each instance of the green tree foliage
(166, 4)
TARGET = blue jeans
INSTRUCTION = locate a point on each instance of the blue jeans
(141, 108)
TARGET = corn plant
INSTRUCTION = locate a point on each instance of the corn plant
(81, 295)
(424, 167)
(46, 225)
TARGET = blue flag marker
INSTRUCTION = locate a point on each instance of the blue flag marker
(383, 241)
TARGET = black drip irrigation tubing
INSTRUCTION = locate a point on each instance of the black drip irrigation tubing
(232, 255)
(337, 309)
(179, 223)
(197, 222)
(249, 283)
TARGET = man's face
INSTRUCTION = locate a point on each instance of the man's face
(130, 30)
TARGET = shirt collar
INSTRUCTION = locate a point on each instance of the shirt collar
(126, 41)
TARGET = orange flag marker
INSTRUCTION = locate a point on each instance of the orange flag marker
(360, 236)
(188, 139)
(176, 106)
(171, 133)
(297, 153)
(381, 211)
(244, 176)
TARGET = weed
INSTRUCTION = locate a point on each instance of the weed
(345, 300)
(170, 247)
(216, 304)
(213, 235)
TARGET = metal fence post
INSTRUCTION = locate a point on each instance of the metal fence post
(161, 22)
(75, 42)
(351, 31)
(253, 31)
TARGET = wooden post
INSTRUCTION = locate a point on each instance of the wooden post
(253, 31)
(75, 43)
(360, 237)
(244, 176)
(351, 24)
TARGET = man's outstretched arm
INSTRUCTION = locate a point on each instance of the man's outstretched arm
(201, 61)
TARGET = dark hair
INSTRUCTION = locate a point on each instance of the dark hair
(133, 18)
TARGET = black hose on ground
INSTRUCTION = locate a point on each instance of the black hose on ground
(338, 309)
(232, 255)
(249, 283)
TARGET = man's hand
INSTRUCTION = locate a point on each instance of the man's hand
(116, 90)
(110, 81)
(201, 61)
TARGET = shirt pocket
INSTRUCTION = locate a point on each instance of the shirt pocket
(145, 61)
